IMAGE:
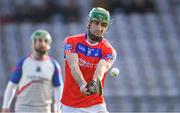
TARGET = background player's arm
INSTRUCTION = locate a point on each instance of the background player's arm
(76, 72)
(8, 96)
(57, 98)
(58, 86)
(12, 86)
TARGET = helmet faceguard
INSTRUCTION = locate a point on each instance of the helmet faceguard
(40, 34)
(98, 14)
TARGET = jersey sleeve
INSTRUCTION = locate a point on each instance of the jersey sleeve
(17, 72)
(57, 77)
(109, 55)
(69, 46)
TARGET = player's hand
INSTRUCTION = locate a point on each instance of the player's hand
(95, 87)
(5, 110)
(91, 87)
(58, 111)
(57, 108)
(84, 90)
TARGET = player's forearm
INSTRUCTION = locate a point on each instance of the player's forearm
(102, 68)
(57, 97)
(77, 75)
(9, 95)
(75, 69)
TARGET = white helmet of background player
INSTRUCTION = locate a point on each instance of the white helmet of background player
(41, 34)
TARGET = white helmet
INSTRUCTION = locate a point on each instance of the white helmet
(41, 34)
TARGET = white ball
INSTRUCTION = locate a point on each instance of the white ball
(114, 71)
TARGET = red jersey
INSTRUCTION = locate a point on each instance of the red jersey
(89, 55)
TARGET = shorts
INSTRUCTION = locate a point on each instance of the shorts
(99, 108)
(30, 109)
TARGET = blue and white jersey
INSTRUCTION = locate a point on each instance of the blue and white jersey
(36, 79)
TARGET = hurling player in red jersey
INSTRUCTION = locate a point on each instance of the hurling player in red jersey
(88, 56)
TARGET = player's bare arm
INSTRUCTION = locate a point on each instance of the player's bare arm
(57, 98)
(102, 67)
(76, 72)
(95, 85)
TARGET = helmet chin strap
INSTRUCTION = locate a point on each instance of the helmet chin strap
(94, 37)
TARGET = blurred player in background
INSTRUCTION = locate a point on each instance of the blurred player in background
(88, 57)
(36, 77)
